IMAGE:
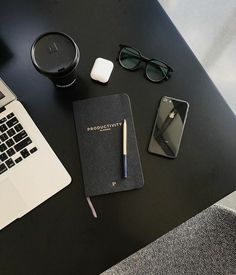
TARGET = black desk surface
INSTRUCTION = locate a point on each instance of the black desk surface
(61, 236)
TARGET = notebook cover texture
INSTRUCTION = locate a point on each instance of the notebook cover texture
(99, 126)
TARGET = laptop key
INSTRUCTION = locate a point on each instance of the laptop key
(10, 152)
(3, 128)
(4, 137)
(10, 115)
(11, 132)
(20, 136)
(3, 156)
(33, 150)
(25, 153)
(12, 122)
(10, 142)
(2, 120)
(3, 168)
(18, 160)
(3, 147)
(10, 163)
(18, 127)
(22, 144)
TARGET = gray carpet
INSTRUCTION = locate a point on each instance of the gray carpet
(205, 244)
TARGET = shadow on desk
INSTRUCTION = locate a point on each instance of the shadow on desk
(5, 53)
(76, 92)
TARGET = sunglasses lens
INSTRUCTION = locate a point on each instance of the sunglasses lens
(156, 70)
(129, 58)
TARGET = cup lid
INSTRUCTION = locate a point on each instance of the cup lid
(54, 53)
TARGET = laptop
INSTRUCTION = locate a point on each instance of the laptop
(30, 172)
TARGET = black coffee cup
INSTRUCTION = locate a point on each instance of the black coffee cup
(56, 56)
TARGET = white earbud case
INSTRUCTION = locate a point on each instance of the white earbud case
(102, 70)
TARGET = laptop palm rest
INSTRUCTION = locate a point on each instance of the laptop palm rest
(11, 204)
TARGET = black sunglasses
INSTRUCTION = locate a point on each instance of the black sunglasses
(155, 70)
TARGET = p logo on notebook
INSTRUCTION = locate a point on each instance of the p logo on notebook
(114, 183)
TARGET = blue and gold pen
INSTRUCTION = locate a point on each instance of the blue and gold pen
(125, 159)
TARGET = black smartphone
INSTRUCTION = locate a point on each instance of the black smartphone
(168, 127)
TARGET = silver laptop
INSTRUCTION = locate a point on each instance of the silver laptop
(30, 172)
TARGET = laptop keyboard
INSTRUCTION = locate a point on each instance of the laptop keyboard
(15, 144)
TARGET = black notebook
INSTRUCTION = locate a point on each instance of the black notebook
(99, 124)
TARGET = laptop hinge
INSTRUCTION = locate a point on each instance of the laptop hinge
(2, 109)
